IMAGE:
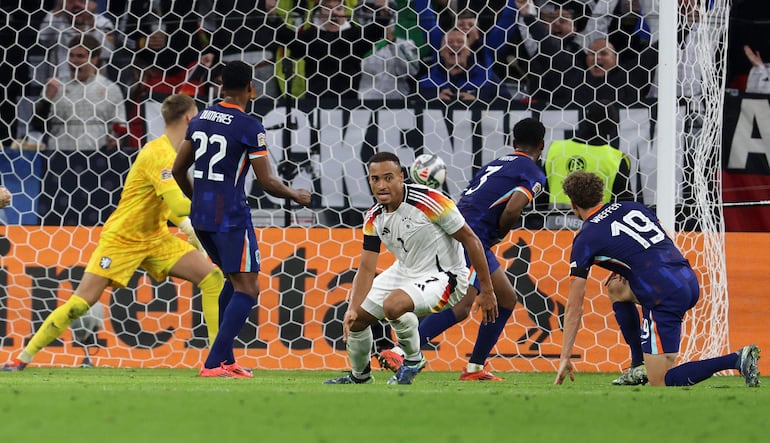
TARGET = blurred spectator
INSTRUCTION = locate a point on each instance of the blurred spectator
(246, 31)
(333, 47)
(623, 22)
(86, 112)
(552, 48)
(68, 20)
(759, 76)
(172, 56)
(389, 72)
(749, 26)
(484, 42)
(603, 79)
(458, 77)
(591, 150)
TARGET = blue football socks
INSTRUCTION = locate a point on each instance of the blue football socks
(627, 316)
(434, 324)
(488, 335)
(233, 319)
(687, 374)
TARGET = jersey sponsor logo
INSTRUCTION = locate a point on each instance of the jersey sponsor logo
(165, 174)
(261, 140)
(105, 262)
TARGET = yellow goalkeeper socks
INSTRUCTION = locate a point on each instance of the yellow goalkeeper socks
(53, 326)
(211, 287)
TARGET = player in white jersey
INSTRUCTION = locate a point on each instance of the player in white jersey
(426, 232)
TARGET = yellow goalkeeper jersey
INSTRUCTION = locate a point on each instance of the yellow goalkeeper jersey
(141, 215)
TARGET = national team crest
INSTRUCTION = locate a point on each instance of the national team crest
(536, 189)
(105, 262)
(576, 163)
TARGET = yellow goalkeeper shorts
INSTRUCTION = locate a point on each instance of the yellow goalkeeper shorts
(118, 261)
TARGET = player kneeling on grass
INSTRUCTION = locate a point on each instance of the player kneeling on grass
(491, 204)
(426, 232)
(627, 239)
(137, 235)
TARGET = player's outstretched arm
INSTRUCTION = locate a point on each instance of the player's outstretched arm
(5, 197)
(573, 314)
(274, 185)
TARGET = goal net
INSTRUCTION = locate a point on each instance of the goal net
(67, 147)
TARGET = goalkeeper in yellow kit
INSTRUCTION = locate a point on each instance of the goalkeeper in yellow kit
(137, 235)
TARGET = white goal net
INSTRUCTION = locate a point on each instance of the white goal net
(338, 82)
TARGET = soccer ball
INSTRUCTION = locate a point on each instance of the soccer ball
(428, 170)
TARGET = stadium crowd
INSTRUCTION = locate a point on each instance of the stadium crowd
(557, 53)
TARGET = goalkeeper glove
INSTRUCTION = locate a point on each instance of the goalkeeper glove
(186, 227)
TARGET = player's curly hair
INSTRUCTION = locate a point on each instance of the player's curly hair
(585, 189)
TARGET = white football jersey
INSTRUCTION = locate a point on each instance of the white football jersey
(419, 232)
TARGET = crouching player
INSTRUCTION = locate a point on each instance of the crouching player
(426, 233)
(626, 238)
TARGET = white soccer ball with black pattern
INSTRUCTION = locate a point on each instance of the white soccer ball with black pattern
(428, 170)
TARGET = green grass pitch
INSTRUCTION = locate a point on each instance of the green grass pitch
(57, 405)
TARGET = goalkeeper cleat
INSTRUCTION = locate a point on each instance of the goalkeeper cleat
(390, 359)
(219, 371)
(238, 371)
(634, 376)
(408, 371)
(482, 375)
(349, 379)
(748, 357)
(14, 365)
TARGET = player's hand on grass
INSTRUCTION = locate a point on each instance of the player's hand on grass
(486, 302)
(565, 368)
(5, 197)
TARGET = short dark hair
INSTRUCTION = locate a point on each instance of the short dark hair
(584, 189)
(236, 75)
(384, 156)
(528, 133)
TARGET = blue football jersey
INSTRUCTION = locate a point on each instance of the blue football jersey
(626, 238)
(224, 139)
(484, 200)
